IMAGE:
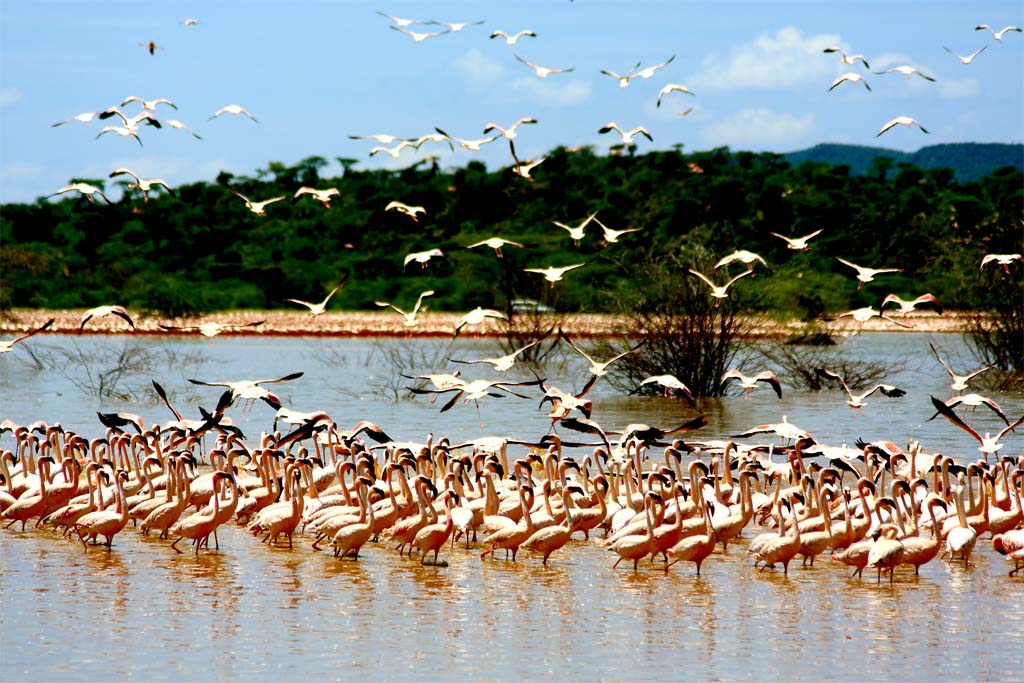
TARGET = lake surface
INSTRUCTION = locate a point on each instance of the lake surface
(265, 613)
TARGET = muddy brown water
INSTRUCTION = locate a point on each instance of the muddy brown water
(257, 612)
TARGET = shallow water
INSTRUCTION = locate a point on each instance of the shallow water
(259, 612)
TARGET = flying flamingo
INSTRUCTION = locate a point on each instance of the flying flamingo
(543, 71)
(750, 383)
(101, 311)
(212, 328)
(495, 243)
(669, 383)
(553, 275)
(6, 346)
(856, 401)
(511, 39)
(719, 292)
(143, 185)
(626, 135)
(86, 189)
(477, 316)
(862, 315)
(865, 275)
(422, 257)
(410, 211)
(907, 71)
(851, 78)
(998, 35)
(847, 59)
(318, 308)
(989, 443)
(503, 363)
(1002, 259)
(959, 381)
(409, 319)
(233, 109)
(598, 369)
(577, 232)
(671, 88)
(322, 196)
(797, 243)
(418, 37)
(969, 58)
(909, 306)
(612, 236)
(258, 208)
(901, 121)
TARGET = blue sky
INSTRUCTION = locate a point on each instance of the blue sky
(315, 72)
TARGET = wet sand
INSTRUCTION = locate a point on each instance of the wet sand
(385, 324)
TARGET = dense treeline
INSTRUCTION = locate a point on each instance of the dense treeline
(199, 249)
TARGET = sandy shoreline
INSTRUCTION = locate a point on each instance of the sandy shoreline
(385, 324)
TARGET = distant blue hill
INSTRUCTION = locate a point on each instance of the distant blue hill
(970, 160)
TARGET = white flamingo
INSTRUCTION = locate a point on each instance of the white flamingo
(901, 121)
(408, 319)
(233, 109)
(543, 71)
(512, 39)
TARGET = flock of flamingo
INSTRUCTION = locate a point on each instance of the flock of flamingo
(649, 495)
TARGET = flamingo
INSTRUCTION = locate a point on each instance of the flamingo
(121, 131)
(495, 243)
(549, 539)
(6, 346)
(577, 232)
(969, 58)
(611, 236)
(410, 211)
(1011, 544)
(697, 547)
(523, 168)
(510, 132)
(552, 274)
(511, 40)
(862, 315)
(502, 363)
(318, 308)
(962, 538)
(101, 311)
(422, 257)
(149, 105)
(143, 185)
(856, 401)
(989, 444)
(351, 537)
(211, 329)
(106, 523)
(402, 22)
(847, 59)
(669, 383)
(598, 369)
(543, 71)
(456, 26)
(636, 547)
(1002, 259)
(199, 526)
(623, 80)
(258, 208)
(865, 275)
(909, 306)
(918, 551)
(418, 37)
(511, 537)
(959, 381)
(745, 257)
(901, 121)
(798, 243)
(975, 400)
(233, 109)
(85, 189)
(434, 536)
(469, 145)
(998, 35)
(408, 319)
(322, 196)
(851, 78)
(782, 548)
(626, 135)
(886, 553)
(251, 390)
(719, 292)
(178, 125)
(671, 88)
(907, 71)
(477, 316)
(87, 117)
(750, 383)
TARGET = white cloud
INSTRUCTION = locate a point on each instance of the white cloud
(555, 91)
(758, 128)
(9, 96)
(785, 59)
(953, 90)
(478, 67)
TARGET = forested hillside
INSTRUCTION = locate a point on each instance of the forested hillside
(969, 160)
(200, 249)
